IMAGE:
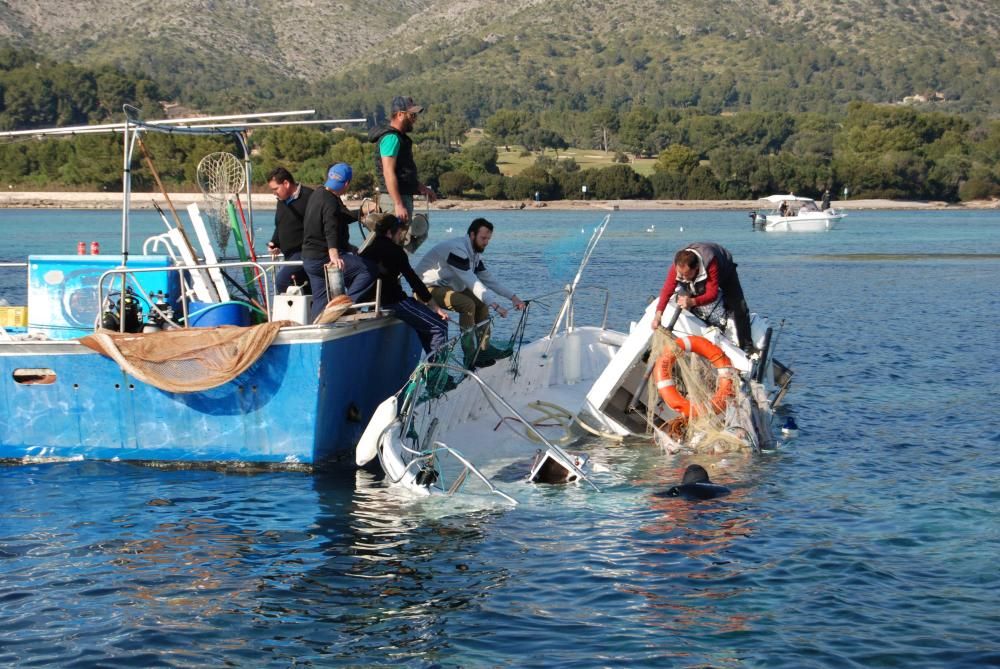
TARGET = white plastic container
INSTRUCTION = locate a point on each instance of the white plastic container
(292, 306)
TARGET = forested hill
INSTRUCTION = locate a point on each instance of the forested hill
(477, 56)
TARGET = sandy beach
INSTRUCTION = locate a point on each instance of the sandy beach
(53, 200)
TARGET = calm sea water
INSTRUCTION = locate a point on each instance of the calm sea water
(871, 540)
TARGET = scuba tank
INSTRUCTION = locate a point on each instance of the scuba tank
(126, 308)
(159, 314)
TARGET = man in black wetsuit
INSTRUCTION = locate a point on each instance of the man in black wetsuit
(288, 222)
(419, 312)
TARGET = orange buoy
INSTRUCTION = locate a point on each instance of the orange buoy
(664, 371)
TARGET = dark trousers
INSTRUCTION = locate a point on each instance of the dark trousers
(284, 278)
(359, 277)
(431, 329)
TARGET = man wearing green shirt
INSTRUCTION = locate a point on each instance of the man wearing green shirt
(397, 171)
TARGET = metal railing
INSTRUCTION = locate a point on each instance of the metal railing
(267, 311)
(564, 458)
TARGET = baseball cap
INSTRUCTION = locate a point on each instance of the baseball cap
(338, 175)
(404, 103)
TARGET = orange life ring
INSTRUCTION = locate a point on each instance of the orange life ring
(664, 371)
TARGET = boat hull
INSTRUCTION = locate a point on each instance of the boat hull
(303, 402)
(818, 222)
(552, 379)
(616, 404)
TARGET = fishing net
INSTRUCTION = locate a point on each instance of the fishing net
(189, 360)
(220, 176)
(706, 429)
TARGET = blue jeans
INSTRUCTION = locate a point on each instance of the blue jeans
(359, 277)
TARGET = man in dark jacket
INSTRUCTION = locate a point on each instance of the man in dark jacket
(326, 241)
(397, 171)
(419, 312)
(288, 223)
(712, 288)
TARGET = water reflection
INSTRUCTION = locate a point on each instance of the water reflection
(688, 570)
(382, 575)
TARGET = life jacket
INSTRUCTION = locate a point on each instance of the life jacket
(707, 252)
(406, 168)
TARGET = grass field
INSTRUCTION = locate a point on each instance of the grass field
(512, 162)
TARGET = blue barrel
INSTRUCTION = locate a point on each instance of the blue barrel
(213, 314)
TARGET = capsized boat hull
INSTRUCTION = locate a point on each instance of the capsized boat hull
(617, 404)
(553, 376)
(303, 402)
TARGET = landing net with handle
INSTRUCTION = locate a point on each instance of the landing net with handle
(221, 176)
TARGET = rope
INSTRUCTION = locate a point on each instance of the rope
(517, 340)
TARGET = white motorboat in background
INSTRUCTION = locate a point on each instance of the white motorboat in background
(792, 213)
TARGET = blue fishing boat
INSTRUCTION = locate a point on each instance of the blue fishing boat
(134, 357)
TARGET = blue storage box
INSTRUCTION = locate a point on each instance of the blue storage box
(62, 290)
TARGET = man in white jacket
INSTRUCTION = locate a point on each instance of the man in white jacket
(458, 279)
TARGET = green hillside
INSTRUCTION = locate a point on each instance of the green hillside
(476, 57)
(637, 99)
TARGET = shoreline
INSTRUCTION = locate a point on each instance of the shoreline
(97, 200)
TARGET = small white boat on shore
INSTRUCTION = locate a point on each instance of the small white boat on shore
(792, 213)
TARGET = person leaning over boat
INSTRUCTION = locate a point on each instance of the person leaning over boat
(459, 281)
(394, 164)
(420, 311)
(288, 220)
(326, 241)
(708, 274)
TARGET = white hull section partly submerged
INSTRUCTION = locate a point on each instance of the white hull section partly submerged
(515, 410)
(575, 381)
(618, 405)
